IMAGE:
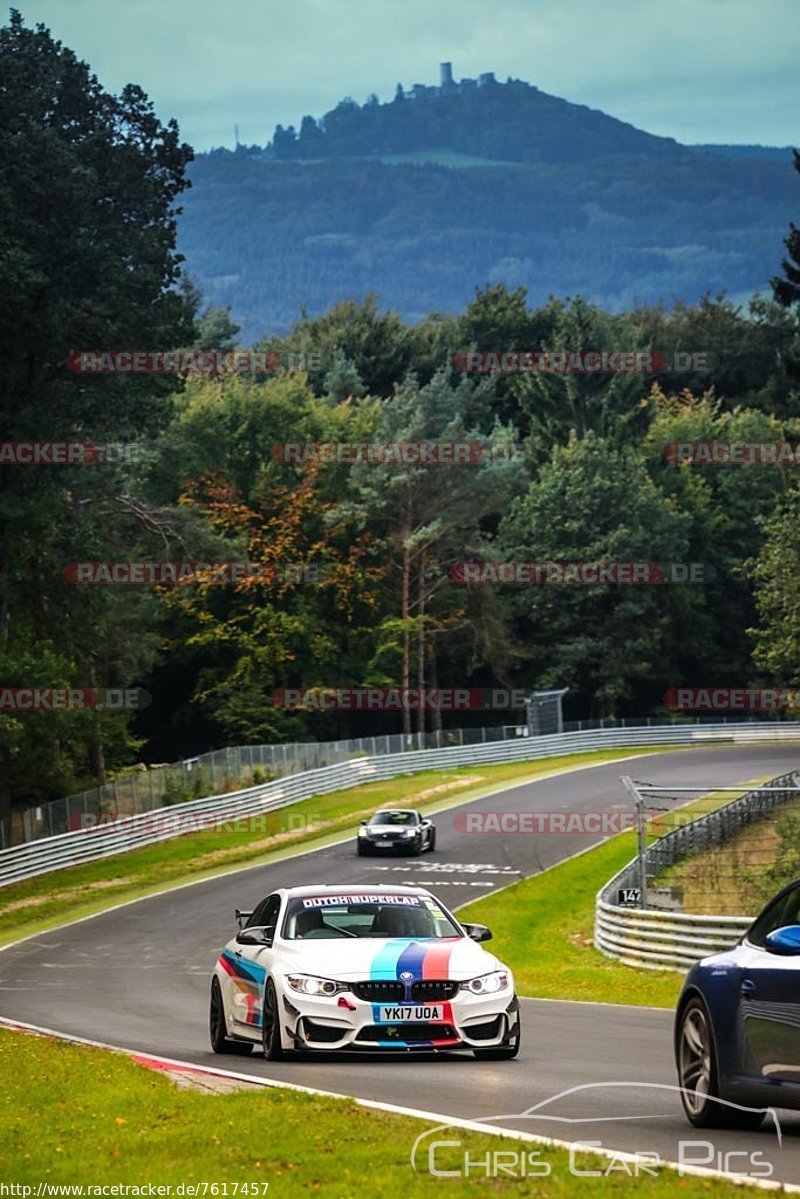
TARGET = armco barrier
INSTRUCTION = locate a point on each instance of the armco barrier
(662, 940)
(86, 845)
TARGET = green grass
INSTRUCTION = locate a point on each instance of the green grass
(543, 929)
(73, 1115)
(737, 877)
(38, 904)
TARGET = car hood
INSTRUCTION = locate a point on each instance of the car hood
(379, 959)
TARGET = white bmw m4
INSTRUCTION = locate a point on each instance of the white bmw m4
(378, 969)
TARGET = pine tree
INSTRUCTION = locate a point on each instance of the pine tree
(787, 289)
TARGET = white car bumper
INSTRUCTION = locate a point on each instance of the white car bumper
(347, 1022)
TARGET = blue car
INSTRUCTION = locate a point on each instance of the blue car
(737, 1026)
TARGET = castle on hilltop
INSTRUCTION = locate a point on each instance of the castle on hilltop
(447, 84)
(356, 130)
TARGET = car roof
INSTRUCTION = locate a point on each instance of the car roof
(355, 889)
(403, 811)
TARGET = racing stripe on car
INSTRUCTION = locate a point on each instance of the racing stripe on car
(384, 964)
(247, 970)
(436, 963)
(411, 960)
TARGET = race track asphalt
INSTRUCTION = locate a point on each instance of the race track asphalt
(138, 977)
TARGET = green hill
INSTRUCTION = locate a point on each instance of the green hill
(426, 197)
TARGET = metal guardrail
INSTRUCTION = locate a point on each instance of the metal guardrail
(663, 940)
(85, 845)
(146, 789)
(658, 939)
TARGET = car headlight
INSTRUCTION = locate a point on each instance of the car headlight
(308, 984)
(362, 832)
(487, 984)
(409, 832)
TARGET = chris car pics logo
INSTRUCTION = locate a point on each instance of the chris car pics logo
(448, 1151)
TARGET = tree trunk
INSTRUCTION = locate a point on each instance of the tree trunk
(406, 670)
(97, 757)
(433, 673)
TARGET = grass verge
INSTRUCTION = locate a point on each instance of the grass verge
(543, 928)
(38, 904)
(72, 1115)
(739, 876)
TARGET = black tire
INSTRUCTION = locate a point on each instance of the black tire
(419, 846)
(698, 1077)
(432, 842)
(220, 1041)
(361, 850)
(271, 1025)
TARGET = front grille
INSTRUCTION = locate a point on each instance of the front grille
(487, 1031)
(407, 1032)
(379, 992)
(428, 990)
(314, 1031)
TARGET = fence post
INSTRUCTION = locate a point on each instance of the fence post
(641, 847)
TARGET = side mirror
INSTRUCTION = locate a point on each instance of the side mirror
(784, 940)
(363, 822)
(241, 916)
(478, 932)
(255, 936)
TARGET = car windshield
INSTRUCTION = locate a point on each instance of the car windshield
(318, 917)
(394, 818)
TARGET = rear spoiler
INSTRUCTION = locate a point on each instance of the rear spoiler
(241, 916)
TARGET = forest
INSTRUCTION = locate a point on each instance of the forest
(359, 581)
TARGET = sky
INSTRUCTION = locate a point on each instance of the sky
(695, 70)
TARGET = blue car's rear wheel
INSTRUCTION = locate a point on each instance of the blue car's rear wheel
(698, 1075)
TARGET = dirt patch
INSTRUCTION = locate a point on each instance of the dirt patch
(469, 781)
(36, 901)
(209, 1084)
